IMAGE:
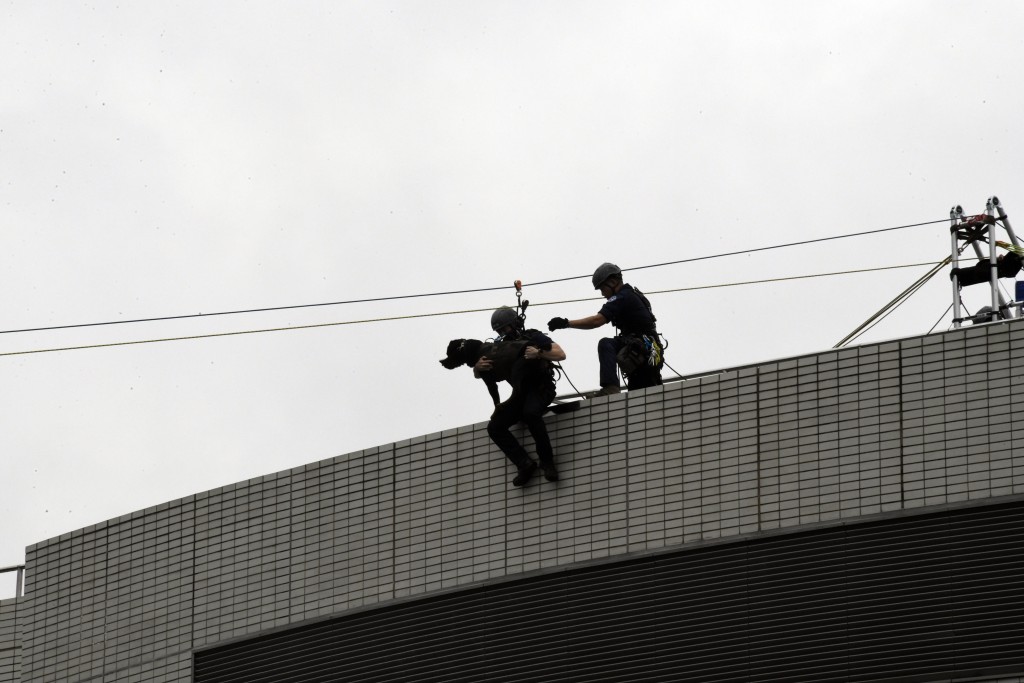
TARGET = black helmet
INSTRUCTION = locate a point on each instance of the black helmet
(605, 271)
(504, 316)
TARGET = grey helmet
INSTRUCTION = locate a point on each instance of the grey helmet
(504, 316)
(605, 271)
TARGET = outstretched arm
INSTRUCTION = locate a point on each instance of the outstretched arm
(588, 323)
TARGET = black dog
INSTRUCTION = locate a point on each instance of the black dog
(507, 362)
(506, 357)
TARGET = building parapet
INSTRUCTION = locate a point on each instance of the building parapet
(818, 439)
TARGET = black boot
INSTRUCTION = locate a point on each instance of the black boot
(525, 473)
(548, 468)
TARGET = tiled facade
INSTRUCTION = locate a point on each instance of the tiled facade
(10, 640)
(818, 439)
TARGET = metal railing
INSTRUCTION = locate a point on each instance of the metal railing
(19, 586)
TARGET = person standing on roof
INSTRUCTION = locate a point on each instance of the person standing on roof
(637, 348)
(533, 389)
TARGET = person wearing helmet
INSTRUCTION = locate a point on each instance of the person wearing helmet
(533, 389)
(637, 348)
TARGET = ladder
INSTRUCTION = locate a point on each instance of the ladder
(974, 231)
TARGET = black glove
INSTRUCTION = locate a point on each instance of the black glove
(558, 324)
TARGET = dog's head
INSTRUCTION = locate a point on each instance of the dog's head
(461, 352)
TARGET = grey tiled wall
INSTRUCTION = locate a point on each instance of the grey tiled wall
(815, 439)
(10, 641)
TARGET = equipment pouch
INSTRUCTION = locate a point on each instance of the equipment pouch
(632, 356)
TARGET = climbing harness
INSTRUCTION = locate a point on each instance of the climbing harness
(639, 351)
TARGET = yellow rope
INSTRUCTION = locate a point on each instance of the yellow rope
(431, 315)
(1019, 251)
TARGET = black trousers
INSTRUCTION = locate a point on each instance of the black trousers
(607, 353)
(528, 405)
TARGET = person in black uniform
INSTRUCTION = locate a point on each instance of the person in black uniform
(533, 390)
(637, 348)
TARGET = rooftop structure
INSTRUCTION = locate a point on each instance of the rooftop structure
(848, 515)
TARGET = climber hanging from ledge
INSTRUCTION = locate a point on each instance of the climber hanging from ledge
(522, 358)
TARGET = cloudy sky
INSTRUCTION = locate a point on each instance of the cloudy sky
(164, 159)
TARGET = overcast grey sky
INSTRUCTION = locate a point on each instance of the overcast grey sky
(173, 158)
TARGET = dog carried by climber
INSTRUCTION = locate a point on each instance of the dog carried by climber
(522, 357)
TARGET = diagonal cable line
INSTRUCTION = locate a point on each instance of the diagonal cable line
(460, 291)
(900, 299)
(444, 313)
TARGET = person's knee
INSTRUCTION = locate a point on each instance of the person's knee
(534, 416)
(606, 344)
(496, 427)
(537, 402)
